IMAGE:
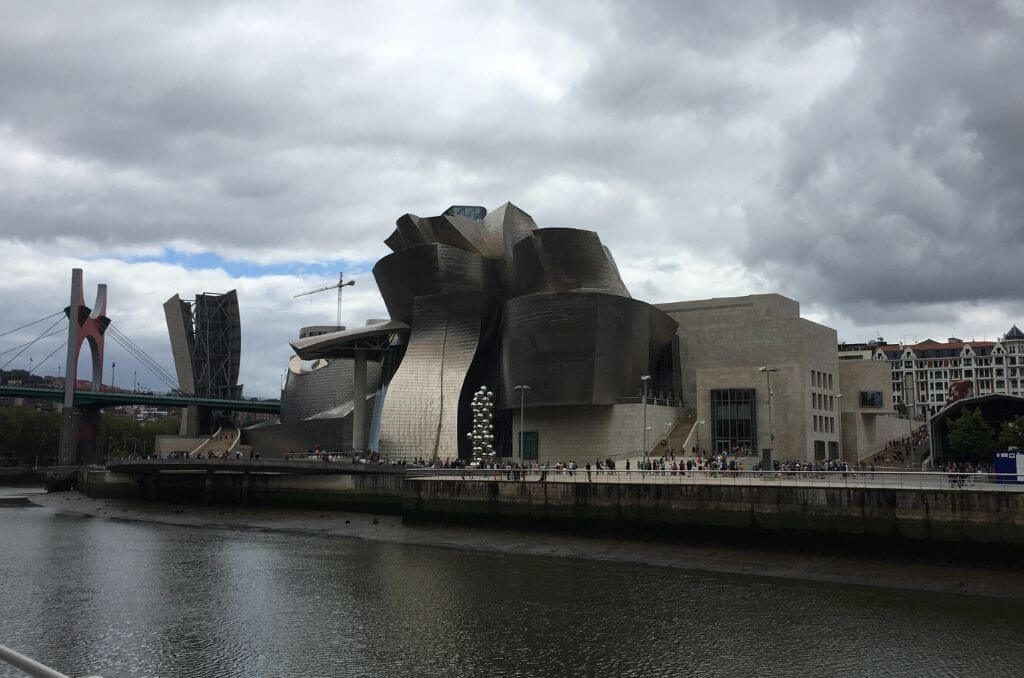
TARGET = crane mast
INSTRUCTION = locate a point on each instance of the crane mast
(340, 285)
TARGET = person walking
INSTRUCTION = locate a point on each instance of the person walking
(588, 472)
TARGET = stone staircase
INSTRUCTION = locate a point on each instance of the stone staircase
(676, 438)
(220, 443)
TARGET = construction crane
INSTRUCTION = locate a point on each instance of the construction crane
(342, 283)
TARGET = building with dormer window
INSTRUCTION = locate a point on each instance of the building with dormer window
(926, 375)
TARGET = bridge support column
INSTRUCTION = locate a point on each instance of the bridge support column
(85, 325)
(359, 401)
(79, 431)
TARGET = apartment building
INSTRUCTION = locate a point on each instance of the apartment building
(922, 373)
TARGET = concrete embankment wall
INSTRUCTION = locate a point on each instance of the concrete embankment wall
(363, 491)
(816, 515)
(875, 519)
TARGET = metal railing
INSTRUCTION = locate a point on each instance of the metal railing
(30, 666)
(921, 480)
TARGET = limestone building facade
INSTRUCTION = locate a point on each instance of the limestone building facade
(724, 343)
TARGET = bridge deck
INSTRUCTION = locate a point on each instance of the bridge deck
(280, 466)
(115, 398)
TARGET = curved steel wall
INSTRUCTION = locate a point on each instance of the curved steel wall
(579, 348)
(424, 270)
(420, 413)
(564, 260)
(308, 393)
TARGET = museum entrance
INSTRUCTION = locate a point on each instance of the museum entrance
(733, 419)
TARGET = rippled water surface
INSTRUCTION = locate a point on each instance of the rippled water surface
(127, 599)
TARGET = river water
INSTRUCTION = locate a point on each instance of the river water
(127, 599)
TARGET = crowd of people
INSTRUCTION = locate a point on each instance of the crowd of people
(962, 474)
(824, 466)
(900, 451)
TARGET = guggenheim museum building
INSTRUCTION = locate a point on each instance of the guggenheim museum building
(541, 318)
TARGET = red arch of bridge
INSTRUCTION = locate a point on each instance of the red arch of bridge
(78, 429)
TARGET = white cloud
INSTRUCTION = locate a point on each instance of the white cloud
(864, 158)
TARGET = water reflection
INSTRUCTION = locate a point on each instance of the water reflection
(135, 599)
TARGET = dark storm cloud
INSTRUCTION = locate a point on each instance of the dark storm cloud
(905, 183)
(865, 158)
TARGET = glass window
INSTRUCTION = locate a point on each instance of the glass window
(531, 445)
(833, 449)
(733, 418)
(870, 398)
(830, 381)
(819, 450)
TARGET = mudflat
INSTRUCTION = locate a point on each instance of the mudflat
(863, 571)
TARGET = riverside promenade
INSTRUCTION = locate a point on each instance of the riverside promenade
(920, 480)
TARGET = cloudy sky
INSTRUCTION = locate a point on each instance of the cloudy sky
(866, 159)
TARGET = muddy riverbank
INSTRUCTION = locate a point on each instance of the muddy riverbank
(862, 571)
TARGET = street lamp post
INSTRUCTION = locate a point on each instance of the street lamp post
(908, 391)
(839, 407)
(522, 388)
(646, 378)
(113, 376)
(771, 430)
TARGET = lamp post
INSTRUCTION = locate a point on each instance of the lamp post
(646, 378)
(113, 375)
(522, 388)
(771, 430)
(908, 391)
(839, 418)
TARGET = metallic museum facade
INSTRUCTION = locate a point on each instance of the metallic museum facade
(497, 301)
(541, 317)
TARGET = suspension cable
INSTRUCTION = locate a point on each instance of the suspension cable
(30, 343)
(144, 358)
(31, 323)
(143, 362)
(141, 354)
(38, 364)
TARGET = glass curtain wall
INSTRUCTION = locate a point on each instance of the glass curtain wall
(733, 419)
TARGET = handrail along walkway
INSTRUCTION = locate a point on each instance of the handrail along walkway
(30, 666)
(854, 479)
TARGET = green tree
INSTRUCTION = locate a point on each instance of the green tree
(971, 437)
(1011, 433)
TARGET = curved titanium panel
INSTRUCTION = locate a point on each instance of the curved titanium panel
(455, 231)
(579, 348)
(425, 270)
(504, 227)
(563, 260)
(329, 385)
(420, 413)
